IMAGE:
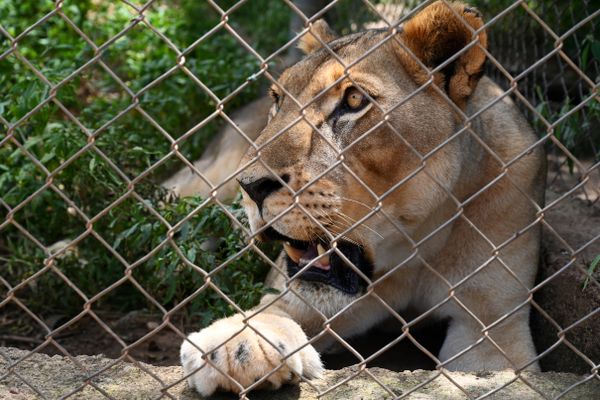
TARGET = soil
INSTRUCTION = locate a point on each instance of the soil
(87, 337)
(566, 321)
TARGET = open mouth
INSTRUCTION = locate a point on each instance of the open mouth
(328, 268)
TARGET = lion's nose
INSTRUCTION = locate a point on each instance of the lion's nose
(261, 188)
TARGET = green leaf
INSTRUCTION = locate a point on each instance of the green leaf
(593, 265)
(596, 49)
(191, 254)
(47, 157)
(185, 230)
(125, 234)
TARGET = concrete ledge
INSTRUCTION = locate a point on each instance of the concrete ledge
(54, 377)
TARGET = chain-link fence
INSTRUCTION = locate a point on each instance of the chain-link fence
(405, 187)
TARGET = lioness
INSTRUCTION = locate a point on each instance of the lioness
(443, 210)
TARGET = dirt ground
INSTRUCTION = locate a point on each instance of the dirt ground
(87, 337)
(569, 299)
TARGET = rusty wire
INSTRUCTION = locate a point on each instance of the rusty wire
(138, 17)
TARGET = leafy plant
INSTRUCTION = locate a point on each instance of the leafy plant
(120, 115)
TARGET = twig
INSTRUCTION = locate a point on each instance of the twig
(16, 338)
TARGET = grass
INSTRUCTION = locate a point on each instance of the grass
(591, 269)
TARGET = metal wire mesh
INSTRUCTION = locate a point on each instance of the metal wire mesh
(516, 64)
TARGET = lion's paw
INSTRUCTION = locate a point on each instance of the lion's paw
(246, 356)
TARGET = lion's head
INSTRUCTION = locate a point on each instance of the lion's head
(356, 168)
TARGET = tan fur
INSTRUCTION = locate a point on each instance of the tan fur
(469, 266)
(435, 35)
(309, 42)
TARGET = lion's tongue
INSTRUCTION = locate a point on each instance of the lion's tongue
(313, 252)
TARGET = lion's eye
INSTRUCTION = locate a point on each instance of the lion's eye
(354, 99)
(354, 105)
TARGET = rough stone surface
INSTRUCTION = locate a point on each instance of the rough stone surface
(56, 376)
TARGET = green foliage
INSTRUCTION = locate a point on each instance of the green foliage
(575, 124)
(120, 140)
(591, 269)
(576, 129)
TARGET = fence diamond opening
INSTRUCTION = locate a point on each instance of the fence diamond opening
(101, 102)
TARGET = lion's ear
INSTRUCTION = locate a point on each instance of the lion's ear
(309, 42)
(437, 33)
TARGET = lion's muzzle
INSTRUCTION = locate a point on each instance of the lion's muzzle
(315, 261)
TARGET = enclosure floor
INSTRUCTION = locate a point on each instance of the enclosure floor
(86, 337)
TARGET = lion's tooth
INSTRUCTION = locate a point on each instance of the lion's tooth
(293, 252)
(324, 259)
(320, 248)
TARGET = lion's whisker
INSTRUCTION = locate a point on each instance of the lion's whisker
(359, 203)
(335, 227)
(342, 224)
(341, 214)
